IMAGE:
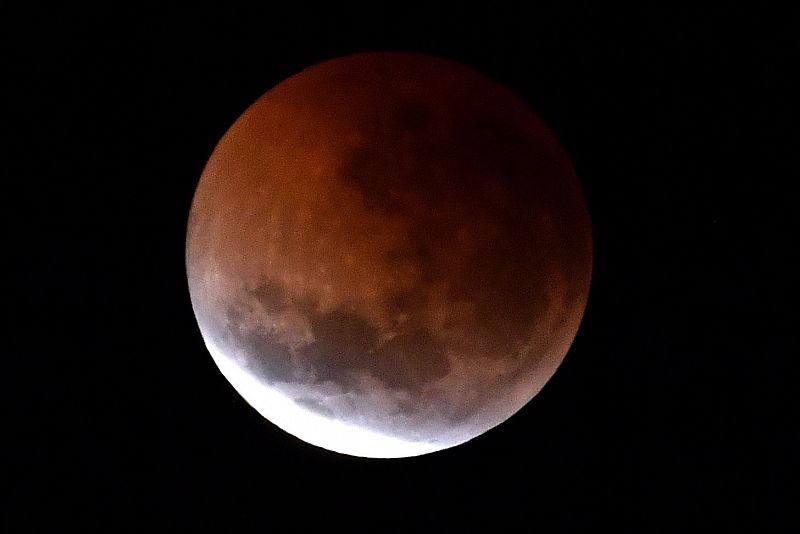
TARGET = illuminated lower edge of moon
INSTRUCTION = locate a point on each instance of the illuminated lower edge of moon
(331, 434)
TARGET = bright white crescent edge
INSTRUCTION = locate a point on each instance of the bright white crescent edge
(315, 429)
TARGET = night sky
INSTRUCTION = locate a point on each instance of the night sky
(671, 410)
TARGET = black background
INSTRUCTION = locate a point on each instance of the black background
(671, 410)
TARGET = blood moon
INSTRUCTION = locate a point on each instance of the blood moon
(388, 254)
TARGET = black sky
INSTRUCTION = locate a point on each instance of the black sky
(671, 411)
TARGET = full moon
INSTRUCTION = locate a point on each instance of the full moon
(388, 254)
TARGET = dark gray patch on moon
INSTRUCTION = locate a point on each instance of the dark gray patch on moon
(265, 358)
(345, 347)
(315, 406)
(411, 359)
(270, 295)
(344, 343)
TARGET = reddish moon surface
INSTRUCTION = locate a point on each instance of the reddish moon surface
(388, 254)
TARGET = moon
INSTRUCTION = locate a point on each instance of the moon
(388, 254)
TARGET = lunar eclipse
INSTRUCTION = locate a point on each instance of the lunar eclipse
(388, 254)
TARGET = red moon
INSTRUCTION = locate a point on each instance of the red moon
(388, 254)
